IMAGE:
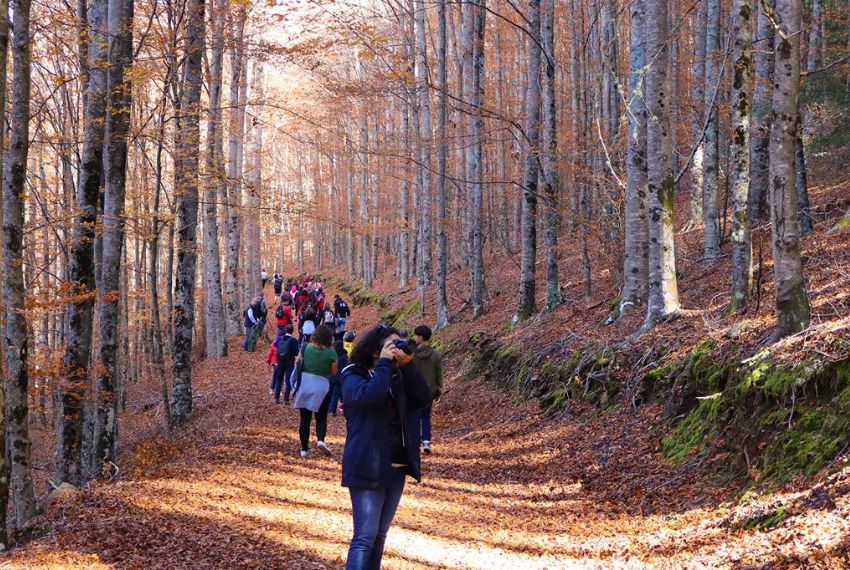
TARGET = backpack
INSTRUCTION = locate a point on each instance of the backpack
(329, 317)
(279, 312)
(284, 349)
(309, 327)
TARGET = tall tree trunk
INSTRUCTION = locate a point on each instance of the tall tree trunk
(215, 187)
(527, 276)
(663, 293)
(801, 184)
(475, 157)
(762, 93)
(549, 154)
(18, 444)
(120, 50)
(698, 96)
(186, 175)
(792, 301)
(253, 265)
(636, 238)
(157, 343)
(72, 391)
(423, 95)
(815, 48)
(442, 154)
(233, 220)
(742, 254)
(4, 464)
(711, 188)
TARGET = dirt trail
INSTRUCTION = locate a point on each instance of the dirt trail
(505, 489)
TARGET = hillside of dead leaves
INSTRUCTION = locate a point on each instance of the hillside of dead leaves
(507, 487)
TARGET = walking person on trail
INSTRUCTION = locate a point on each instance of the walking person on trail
(341, 313)
(306, 325)
(264, 278)
(429, 362)
(271, 360)
(253, 314)
(348, 341)
(277, 283)
(287, 352)
(283, 314)
(312, 394)
(382, 390)
(336, 379)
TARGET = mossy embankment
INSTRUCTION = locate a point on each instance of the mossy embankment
(744, 413)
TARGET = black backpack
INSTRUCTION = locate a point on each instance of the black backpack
(279, 313)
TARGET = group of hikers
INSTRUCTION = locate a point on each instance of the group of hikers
(383, 382)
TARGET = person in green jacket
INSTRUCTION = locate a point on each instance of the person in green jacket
(429, 362)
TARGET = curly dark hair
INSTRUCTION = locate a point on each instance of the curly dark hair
(363, 353)
(323, 337)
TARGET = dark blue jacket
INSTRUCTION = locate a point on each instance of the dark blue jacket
(341, 363)
(366, 457)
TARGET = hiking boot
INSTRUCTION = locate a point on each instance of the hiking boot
(323, 447)
(305, 453)
(426, 447)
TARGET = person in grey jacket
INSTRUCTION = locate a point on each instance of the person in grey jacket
(429, 362)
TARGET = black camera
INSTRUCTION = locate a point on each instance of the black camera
(406, 346)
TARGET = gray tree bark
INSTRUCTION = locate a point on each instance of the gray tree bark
(254, 179)
(4, 464)
(711, 188)
(215, 187)
(549, 153)
(186, 176)
(235, 136)
(636, 239)
(475, 152)
(792, 302)
(663, 293)
(73, 386)
(742, 258)
(424, 100)
(698, 95)
(527, 277)
(120, 54)
(762, 93)
(442, 154)
(18, 442)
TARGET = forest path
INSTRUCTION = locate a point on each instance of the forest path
(504, 489)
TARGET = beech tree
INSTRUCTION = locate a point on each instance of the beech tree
(186, 178)
(792, 301)
(16, 385)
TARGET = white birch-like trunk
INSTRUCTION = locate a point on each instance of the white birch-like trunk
(549, 152)
(635, 236)
(475, 156)
(254, 183)
(215, 187)
(233, 220)
(698, 96)
(792, 301)
(742, 257)
(424, 100)
(711, 169)
(442, 155)
(663, 293)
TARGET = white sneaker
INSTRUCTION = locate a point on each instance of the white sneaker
(323, 447)
(426, 447)
(271, 392)
(305, 453)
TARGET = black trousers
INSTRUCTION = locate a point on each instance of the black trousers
(321, 423)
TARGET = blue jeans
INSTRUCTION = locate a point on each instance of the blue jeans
(250, 343)
(340, 324)
(281, 377)
(373, 511)
(274, 375)
(336, 395)
(423, 424)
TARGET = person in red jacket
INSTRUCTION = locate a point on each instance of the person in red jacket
(284, 314)
(271, 359)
